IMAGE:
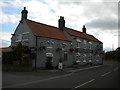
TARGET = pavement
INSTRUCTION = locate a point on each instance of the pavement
(69, 69)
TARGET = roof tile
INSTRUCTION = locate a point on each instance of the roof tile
(81, 34)
(44, 30)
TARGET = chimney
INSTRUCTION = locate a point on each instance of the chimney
(84, 29)
(24, 14)
(61, 23)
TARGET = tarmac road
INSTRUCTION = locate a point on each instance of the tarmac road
(104, 76)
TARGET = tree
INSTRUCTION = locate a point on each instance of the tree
(18, 52)
(118, 54)
(21, 53)
(113, 55)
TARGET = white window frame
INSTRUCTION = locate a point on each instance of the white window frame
(78, 42)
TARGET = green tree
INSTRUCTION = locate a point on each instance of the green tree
(113, 55)
(117, 56)
(18, 52)
(21, 55)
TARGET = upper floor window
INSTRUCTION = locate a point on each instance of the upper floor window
(85, 42)
(25, 36)
(50, 44)
(78, 42)
(90, 45)
(19, 38)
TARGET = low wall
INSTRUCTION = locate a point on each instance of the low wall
(16, 68)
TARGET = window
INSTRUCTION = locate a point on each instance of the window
(90, 57)
(78, 42)
(19, 38)
(77, 57)
(50, 44)
(84, 57)
(90, 45)
(25, 36)
(26, 43)
(85, 43)
(98, 55)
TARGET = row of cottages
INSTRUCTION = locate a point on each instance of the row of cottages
(50, 45)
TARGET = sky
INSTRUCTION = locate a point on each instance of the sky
(99, 16)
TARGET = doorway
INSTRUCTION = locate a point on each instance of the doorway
(49, 63)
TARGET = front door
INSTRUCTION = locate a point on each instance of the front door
(49, 63)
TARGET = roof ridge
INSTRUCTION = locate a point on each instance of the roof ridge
(79, 31)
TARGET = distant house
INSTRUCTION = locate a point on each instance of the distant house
(50, 45)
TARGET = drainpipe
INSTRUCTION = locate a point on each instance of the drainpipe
(36, 55)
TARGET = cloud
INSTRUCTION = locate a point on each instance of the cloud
(108, 37)
(5, 39)
(103, 24)
(14, 3)
(100, 17)
(6, 18)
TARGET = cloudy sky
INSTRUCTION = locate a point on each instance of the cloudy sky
(99, 16)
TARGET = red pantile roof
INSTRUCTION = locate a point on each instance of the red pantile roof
(81, 34)
(44, 30)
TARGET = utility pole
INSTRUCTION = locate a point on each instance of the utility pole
(112, 47)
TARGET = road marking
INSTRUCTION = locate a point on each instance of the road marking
(106, 74)
(83, 84)
(115, 69)
(85, 68)
(37, 81)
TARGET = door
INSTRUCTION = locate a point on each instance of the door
(49, 63)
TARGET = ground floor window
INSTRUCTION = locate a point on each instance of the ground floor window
(77, 57)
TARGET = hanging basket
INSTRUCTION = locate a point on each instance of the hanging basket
(42, 48)
(59, 49)
(71, 49)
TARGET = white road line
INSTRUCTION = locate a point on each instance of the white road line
(115, 69)
(85, 68)
(83, 84)
(37, 81)
(106, 74)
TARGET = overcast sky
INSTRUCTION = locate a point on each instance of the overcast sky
(99, 16)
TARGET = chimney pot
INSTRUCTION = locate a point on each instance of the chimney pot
(24, 14)
(61, 23)
(84, 29)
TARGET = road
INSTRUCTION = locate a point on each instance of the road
(104, 76)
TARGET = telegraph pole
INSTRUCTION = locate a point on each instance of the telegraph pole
(112, 47)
